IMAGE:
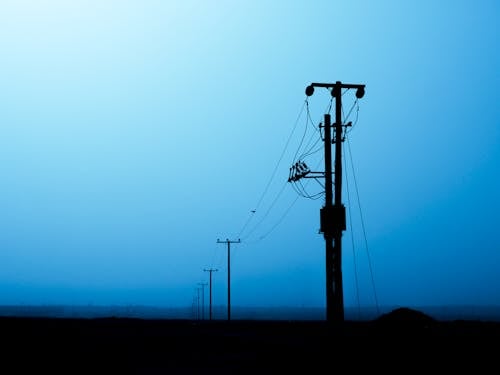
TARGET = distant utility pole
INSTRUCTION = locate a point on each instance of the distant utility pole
(210, 270)
(194, 307)
(202, 299)
(332, 215)
(229, 242)
(198, 299)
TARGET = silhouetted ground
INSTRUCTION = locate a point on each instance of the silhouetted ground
(402, 341)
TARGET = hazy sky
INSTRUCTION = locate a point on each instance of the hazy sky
(134, 134)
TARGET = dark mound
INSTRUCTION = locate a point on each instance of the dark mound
(405, 315)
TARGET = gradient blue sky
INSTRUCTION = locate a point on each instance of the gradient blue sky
(134, 134)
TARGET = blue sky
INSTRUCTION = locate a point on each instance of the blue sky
(134, 134)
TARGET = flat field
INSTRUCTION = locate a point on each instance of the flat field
(141, 346)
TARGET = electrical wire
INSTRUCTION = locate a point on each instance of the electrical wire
(214, 255)
(329, 110)
(363, 227)
(273, 174)
(299, 194)
(356, 120)
(350, 110)
(320, 184)
(252, 212)
(308, 146)
(309, 196)
(267, 212)
(299, 188)
(303, 135)
(280, 219)
(356, 283)
(281, 157)
(310, 152)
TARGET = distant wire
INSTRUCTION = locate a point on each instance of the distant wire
(363, 226)
(308, 146)
(310, 151)
(309, 115)
(285, 213)
(304, 134)
(214, 255)
(320, 184)
(279, 220)
(305, 194)
(299, 189)
(350, 110)
(281, 156)
(267, 212)
(330, 106)
(221, 264)
(252, 212)
(217, 258)
(357, 117)
(352, 241)
(309, 196)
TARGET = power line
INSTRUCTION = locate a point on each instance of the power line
(363, 227)
(350, 110)
(352, 241)
(273, 174)
(267, 212)
(287, 210)
(279, 220)
(303, 134)
(242, 234)
(245, 235)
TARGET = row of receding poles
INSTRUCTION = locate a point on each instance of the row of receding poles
(332, 214)
(196, 300)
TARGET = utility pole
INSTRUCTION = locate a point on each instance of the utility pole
(198, 299)
(228, 242)
(194, 308)
(210, 270)
(332, 215)
(202, 299)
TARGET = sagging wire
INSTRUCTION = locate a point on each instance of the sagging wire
(267, 212)
(308, 146)
(356, 282)
(363, 227)
(256, 207)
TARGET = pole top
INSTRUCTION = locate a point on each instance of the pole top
(360, 89)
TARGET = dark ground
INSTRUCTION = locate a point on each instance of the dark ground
(135, 346)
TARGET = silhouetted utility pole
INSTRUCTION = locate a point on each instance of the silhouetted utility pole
(194, 308)
(210, 302)
(198, 299)
(229, 242)
(332, 215)
(202, 299)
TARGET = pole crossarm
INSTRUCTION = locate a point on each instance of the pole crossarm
(337, 89)
(342, 85)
